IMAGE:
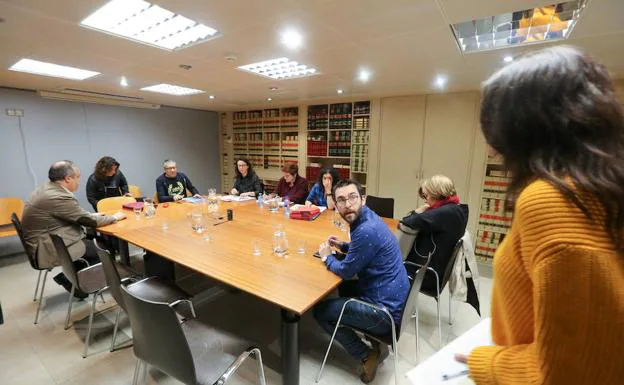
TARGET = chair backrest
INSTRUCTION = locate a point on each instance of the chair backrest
(113, 279)
(412, 298)
(134, 190)
(66, 262)
(406, 237)
(158, 336)
(449, 267)
(384, 207)
(155, 197)
(9, 206)
(113, 203)
(20, 232)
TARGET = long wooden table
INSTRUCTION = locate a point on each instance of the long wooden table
(294, 283)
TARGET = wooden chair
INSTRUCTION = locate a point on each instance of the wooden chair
(9, 206)
(114, 203)
(134, 190)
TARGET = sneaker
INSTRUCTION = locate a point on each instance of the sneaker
(368, 368)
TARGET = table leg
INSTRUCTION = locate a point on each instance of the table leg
(124, 252)
(290, 348)
(157, 266)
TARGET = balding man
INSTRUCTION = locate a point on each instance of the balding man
(53, 209)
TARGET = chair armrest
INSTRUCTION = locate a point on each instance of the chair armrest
(237, 363)
(188, 302)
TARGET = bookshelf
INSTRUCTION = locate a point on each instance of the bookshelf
(268, 137)
(338, 136)
(225, 136)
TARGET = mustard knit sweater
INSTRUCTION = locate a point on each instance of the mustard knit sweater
(557, 300)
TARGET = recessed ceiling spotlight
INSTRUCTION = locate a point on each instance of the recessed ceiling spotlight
(269, 99)
(49, 69)
(280, 68)
(211, 97)
(440, 81)
(147, 23)
(273, 88)
(508, 59)
(339, 91)
(123, 82)
(364, 75)
(291, 39)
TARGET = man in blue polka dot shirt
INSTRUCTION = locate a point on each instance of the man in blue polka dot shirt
(374, 255)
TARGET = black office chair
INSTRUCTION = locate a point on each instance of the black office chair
(34, 263)
(191, 351)
(384, 207)
(154, 288)
(409, 309)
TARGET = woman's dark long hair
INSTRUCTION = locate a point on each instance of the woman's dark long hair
(331, 171)
(553, 115)
(104, 165)
(250, 170)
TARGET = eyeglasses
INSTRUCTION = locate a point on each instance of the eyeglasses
(342, 201)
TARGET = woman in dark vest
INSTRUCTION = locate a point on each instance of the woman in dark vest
(106, 181)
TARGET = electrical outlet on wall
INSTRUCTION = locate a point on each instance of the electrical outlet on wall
(10, 112)
(19, 112)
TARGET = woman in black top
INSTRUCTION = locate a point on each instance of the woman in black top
(247, 182)
(440, 222)
(106, 181)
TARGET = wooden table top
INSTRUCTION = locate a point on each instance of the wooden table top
(295, 282)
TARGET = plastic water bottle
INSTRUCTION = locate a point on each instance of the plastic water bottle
(260, 201)
(286, 207)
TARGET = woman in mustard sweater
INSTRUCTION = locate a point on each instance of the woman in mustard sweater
(558, 295)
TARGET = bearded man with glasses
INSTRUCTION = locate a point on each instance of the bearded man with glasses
(374, 255)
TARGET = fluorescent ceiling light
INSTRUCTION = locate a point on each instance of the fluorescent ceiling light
(440, 81)
(150, 24)
(123, 82)
(280, 68)
(48, 69)
(525, 26)
(292, 39)
(172, 90)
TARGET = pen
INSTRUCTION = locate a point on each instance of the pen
(220, 223)
(446, 377)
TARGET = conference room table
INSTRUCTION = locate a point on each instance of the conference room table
(224, 252)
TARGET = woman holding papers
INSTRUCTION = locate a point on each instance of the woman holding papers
(558, 295)
(320, 195)
(247, 182)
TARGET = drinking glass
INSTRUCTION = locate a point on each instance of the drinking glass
(280, 244)
(137, 212)
(198, 224)
(301, 246)
(255, 247)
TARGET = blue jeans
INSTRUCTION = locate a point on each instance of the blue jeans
(357, 315)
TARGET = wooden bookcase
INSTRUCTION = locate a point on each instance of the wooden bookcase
(338, 136)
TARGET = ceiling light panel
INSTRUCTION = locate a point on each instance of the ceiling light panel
(172, 90)
(528, 26)
(49, 69)
(150, 24)
(281, 68)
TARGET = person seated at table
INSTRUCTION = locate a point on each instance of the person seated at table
(106, 181)
(173, 185)
(53, 209)
(247, 182)
(292, 185)
(440, 222)
(374, 256)
(321, 193)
